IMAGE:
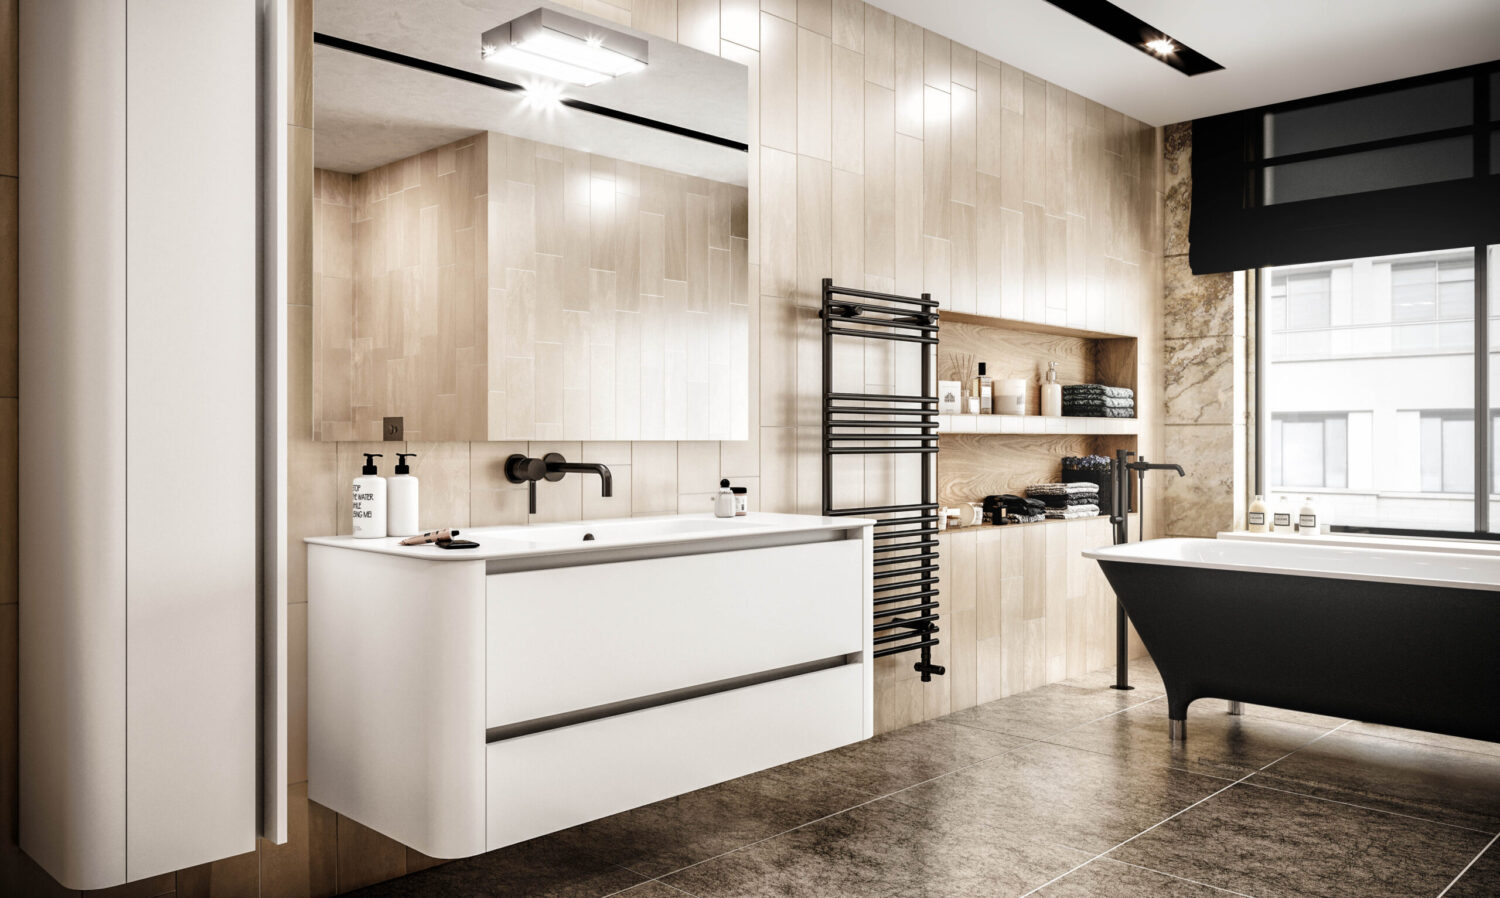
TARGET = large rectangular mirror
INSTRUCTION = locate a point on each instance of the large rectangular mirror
(529, 224)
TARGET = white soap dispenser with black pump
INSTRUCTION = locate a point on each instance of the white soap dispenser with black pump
(401, 499)
(369, 500)
(724, 501)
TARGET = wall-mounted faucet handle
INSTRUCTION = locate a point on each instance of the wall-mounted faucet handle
(521, 469)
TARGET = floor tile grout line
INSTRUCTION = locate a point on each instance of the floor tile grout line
(1185, 810)
(1054, 733)
(1472, 861)
(1365, 807)
(1176, 876)
(869, 801)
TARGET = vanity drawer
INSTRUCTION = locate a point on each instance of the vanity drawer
(552, 780)
(566, 639)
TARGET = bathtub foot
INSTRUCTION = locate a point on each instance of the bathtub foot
(1237, 708)
(1177, 731)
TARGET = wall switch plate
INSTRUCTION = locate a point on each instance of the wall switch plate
(393, 429)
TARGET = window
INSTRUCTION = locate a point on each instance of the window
(1367, 389)
(1448, 451)
(1310, 450)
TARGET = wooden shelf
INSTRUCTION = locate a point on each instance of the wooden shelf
(1037, 424)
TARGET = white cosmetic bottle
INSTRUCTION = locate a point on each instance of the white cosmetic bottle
(1281, 521)
(724, 501)
(1256, 519)
(369, 501)
(1307, 518)
(1052, 393)
(401, 499)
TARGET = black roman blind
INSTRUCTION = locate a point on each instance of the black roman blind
(1404, 166)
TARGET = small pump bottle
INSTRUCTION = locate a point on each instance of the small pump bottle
(1255, 520)
(401, 499)
(984, 388)
(1281, 521)
(1052, 393)
(369, 501)
(1307, 518)
(724, 501)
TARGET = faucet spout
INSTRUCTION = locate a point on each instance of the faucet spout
(606, 479)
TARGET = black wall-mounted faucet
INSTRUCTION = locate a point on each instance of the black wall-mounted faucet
(553, 467)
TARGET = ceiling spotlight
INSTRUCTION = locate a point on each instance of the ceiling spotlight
(1161, 46)
(557, 46)
(543, 95)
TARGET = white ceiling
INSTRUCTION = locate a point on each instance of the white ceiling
(1271, 50)
(367, 112)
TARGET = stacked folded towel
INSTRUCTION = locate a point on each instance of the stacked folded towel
(1066, 501)
(1098, 401)
(1072, 512)
(1012, 509)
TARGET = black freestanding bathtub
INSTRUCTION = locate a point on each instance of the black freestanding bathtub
(1399, 637)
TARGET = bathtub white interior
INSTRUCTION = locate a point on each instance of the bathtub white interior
(1435, 569)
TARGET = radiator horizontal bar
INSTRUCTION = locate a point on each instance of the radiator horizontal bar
(913, 320)
(896, 650)
(909, 609)
(882, 297)
(847, 437)
(874, 335)
(923, 425)
(874, 410)
(879, 307)
(883, 397)
(904, 572)
(901, 547)
(891, 587)
(888, 450)
(897, 637)
(907, 559)
(911, 623)
(903, 534)
(881, 509)
(905, 597)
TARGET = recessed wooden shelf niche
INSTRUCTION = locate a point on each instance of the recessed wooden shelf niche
(993, 454)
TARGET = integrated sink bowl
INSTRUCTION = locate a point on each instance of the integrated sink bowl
(656, 536)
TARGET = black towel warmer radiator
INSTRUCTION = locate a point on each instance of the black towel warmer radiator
(906, 543)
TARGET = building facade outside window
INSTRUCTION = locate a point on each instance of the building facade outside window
(1369, 389)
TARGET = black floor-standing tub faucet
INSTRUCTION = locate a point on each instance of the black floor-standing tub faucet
(1119, 517)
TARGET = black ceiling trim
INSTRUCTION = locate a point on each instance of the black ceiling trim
(339, 43)
(1118, 23)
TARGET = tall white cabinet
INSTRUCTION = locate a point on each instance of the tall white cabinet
(139, 462)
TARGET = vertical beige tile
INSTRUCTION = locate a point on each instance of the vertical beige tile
(988, 115)
(937, 180)
(814, 86)
(816, 15)
(880, 181)
(786, 9)
(657, 17)
(653, 478)
(963, 262)
(964, 62)
(936, 71)
(964, 146)
(778, 223)
(778, 453)
(849, 24)
(848, 228)
(232, 877)
(296, 693)
(814, 229)
(9, 286)
(284, 869)
(1034, 260)
(778, 87)
(908, 78)
(740, 22)
(366, 857)
(698, 24)
(907, 221)
(880, 47)
(848, 112)
(1034, 147)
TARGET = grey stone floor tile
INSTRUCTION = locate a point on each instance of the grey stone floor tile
(1087, 801)
(1048, 711)
(882, 850)
(1274, 844)
(1105, 878)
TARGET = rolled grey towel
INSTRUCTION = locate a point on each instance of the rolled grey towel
(1090, 390)
(1076, 412)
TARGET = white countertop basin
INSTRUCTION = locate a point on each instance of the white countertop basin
(546, 539)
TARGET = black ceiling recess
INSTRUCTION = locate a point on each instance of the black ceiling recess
(1405, 166)
(1116, 22)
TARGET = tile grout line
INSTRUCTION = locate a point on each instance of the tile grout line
(1472, 861)
(1175, 876)
(1183, 811)
(1027, 741)
(1365, 807)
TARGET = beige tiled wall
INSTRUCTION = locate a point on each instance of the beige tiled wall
(881, 155)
